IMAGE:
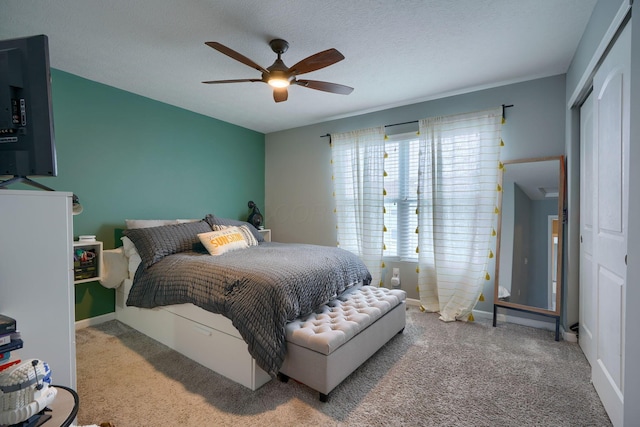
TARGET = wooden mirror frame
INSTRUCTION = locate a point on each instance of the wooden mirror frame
(497, 303)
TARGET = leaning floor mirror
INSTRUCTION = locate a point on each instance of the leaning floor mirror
(528, 275)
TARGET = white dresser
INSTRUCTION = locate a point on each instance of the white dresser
(36, 276)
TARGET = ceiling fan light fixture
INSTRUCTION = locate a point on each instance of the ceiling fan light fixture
(279, 76)
(278, 82)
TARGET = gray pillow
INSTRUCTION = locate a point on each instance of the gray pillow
(155, 243)
(214, 220)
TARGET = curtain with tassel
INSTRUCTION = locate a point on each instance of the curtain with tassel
(357, 160)
(457, 178)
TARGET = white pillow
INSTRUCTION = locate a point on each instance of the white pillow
(147, 223)
(131, 253)
(219, 242)
(114, 268)
(246, 233)
(128, 246)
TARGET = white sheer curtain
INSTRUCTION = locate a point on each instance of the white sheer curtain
(358, 166)
(457, 181)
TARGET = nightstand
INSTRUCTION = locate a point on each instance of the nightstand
(87, 261)
(266, 233)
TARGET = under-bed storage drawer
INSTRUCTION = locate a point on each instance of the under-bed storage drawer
(218, 351)
(211, 320)
(214, 349)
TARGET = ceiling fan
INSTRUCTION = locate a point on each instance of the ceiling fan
(279, 76)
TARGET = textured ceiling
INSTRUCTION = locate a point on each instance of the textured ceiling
(397, 52)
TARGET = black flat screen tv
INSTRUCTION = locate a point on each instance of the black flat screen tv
(27, 142)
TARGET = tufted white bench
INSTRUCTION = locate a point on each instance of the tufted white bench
(328, 345)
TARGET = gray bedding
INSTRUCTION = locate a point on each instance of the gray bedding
(259, 288)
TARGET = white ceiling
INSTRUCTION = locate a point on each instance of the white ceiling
(397, 52)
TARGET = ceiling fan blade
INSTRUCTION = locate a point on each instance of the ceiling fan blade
(235, 55)
(325, 86)
(316, 62)
(231, 81)
(280, 94)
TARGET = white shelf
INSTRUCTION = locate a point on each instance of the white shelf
(94, 247)
(266, 233)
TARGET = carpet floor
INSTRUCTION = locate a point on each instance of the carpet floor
(433, 374)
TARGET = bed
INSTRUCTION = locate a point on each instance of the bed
(227, 311)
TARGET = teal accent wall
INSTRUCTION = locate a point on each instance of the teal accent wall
(130, 157)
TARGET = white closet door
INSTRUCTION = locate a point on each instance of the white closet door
(611, 183)
(588, 297)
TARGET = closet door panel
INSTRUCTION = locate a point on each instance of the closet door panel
(588, 297)
(610, 157)
(611, 174)
(610, 299)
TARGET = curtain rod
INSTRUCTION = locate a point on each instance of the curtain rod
(415, 121)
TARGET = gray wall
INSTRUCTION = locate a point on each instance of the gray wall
(298, 190)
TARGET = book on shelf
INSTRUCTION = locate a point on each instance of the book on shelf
(15, 344)
(7, 324)
(13, 360)
(8, 337)
(5, 339)
(5, 356)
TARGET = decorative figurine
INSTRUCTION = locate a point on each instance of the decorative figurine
(255, 217)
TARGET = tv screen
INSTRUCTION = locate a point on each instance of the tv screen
(27, 144)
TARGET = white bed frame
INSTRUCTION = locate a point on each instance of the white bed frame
(209, 339)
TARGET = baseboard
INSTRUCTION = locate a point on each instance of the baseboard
(550, 326)
(486, 315)
(413, 302)
(539, 324)
(476, 313)
(568, 336)
(92, 321)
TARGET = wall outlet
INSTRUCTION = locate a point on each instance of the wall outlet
(395, 278)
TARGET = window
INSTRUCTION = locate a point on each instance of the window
(445, 179)
(401, 199)
(401, 163)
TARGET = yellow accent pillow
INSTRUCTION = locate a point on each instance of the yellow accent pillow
(244, 229)
(219, 242)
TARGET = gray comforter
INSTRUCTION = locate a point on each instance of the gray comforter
(259, 288)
